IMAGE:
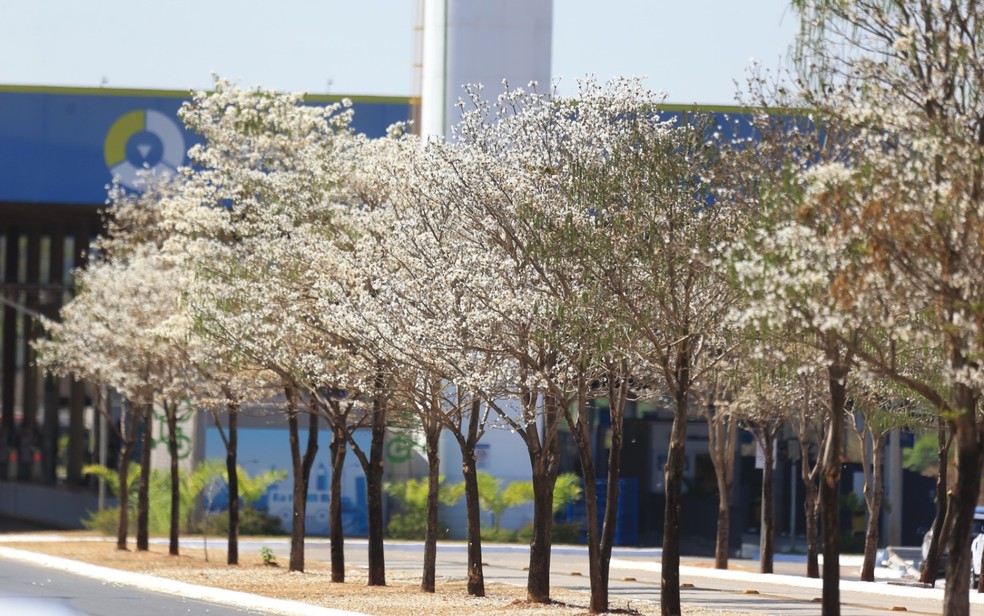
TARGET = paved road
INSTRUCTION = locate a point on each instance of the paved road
(635, 575)
(34, 591)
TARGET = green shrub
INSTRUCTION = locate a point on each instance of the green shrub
(570, 533)
(567, 533)
(106, 522)
(409, 520)
(251, 522)
(499, 535)
(204, 479)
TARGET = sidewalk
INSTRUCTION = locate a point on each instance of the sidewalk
(624, 559)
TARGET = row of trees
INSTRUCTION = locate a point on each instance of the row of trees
(560, 251)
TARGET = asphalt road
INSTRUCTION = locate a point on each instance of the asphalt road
(26, 590)
(635, 576)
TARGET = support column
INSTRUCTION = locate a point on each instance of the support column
(51, 303)
(893, 481)
(30, 451)
(8, 359)
(76, 427)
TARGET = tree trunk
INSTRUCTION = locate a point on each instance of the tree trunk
(722, 536)
(171, 415)
(873, 499)
(599, 580)
(956, 599)
(544, 469)
(600, 540)
(767, 538)
(143, 487)
(830, 486)
(232, 471)
(476, 573)
(339, 449)
(675, 461)
(123, 473)
(812, 512)
(301, 471)
(432, 434)
(599, 595)
(932, 563)
(722, 431)
(374, 486)
(538, 580)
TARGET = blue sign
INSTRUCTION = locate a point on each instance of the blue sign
(65, 145)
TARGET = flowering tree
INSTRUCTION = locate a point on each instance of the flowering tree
(90, 341)
(512, 172)
(432, 275)
(128, 330)
(265, 176)
(658, 196)
(876, 410)
(906, 78)
(809, 415)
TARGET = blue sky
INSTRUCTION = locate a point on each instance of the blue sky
(694, 51)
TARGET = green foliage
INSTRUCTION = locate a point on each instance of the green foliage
(496, 499)
(269, 558)
(106, 522)
(564, 532)
(923, 458)
(410, 521)
(112, 478)
(251, 522)
(567, 533)
(252, 488)
(567, 491)
(206, 476)
(499, 535)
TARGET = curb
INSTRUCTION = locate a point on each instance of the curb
(230, 598)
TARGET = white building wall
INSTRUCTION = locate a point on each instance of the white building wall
(500, 453)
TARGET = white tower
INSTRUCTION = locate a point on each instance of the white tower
(480, 41)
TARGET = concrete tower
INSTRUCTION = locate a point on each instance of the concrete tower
(479, 41)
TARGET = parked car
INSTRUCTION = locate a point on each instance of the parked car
(976, 552)
(976, 548)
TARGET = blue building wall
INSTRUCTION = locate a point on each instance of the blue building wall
(63, 145)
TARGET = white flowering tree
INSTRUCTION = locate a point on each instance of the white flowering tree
(420, 313)
(507, 186)
(808, 415)
(600, 223)
(656, 193)
(877, 409)
(905, 77)
(128, 330)
(94, 340)
(264, 177)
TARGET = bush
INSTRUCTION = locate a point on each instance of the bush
(499, 535)
(251, 522)
(106, 522)
(410, 496)
(203, 480)
(562, 532)
(410, 525)
(568, 532)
